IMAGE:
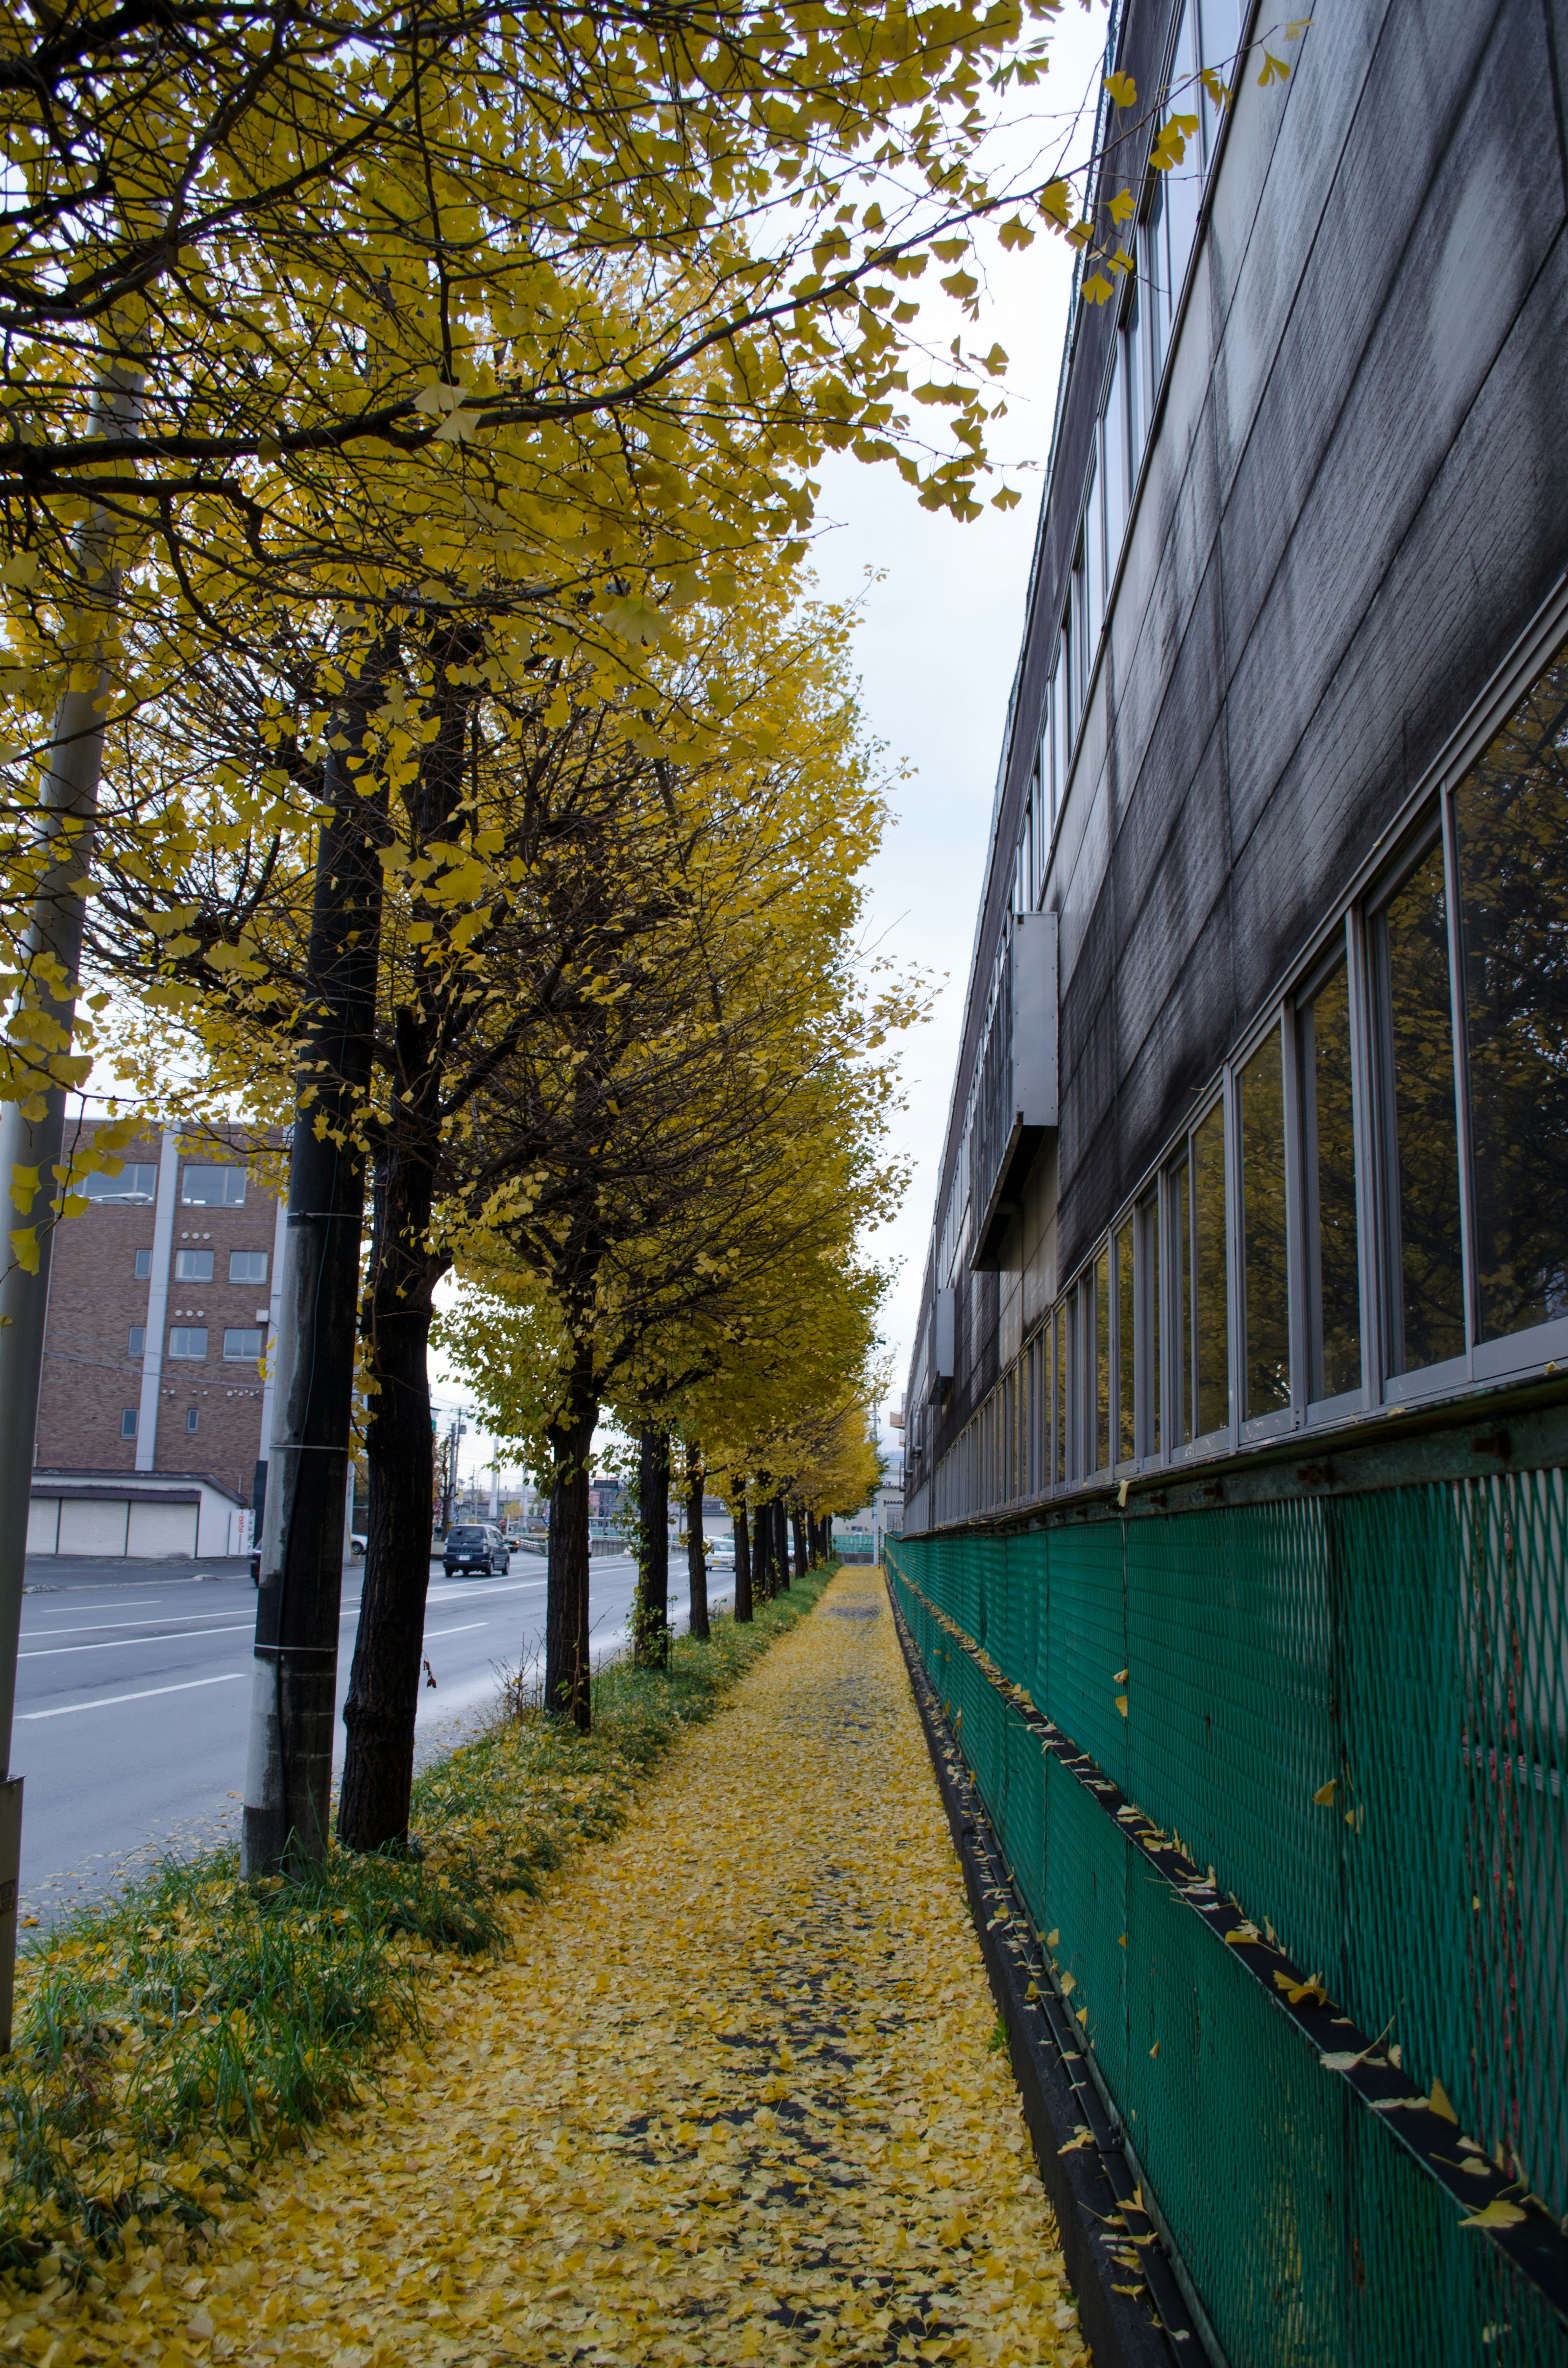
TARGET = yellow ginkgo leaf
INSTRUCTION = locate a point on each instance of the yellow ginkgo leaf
(1498, 2214)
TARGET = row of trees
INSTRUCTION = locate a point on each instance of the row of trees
(407, 428)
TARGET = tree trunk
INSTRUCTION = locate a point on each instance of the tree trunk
(567, 1691)
(780, 1545)
(761, 1553)
(383, 1687)
(695, 1550)
(803, 1553)
(651, 1619)
(743, 1553)
(299, 1608)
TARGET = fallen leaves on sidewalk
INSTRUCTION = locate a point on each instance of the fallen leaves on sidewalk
(730, 2098)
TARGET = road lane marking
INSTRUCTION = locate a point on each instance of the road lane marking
(180, 1636)
(107, 1701)
(431, 1633)
(90, 1627)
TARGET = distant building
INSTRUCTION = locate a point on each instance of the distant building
(161, 1301)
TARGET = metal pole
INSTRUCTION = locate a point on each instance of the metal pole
(32, 1132)
(298, 1606)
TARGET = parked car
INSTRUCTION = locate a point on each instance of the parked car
(479, 1547)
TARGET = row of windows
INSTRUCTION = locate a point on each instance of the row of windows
(243, 1343)
(130, 1421)
(196, 1266)
(1374, 1208)
(200, 1186)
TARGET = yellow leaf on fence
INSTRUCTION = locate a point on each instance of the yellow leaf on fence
(1498, 2214)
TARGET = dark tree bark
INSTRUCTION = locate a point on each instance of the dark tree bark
(383, 1688)
(803, 1552)
(289, 1778)
(383, 1692)
(781, 1547)
(651, 1621)
(762, 1554)
(567, 1691)
(696, 1549)
(743, 1553)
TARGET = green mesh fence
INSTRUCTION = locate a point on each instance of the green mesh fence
(1356, 1712)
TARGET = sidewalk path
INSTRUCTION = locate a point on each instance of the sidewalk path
(733, 2098)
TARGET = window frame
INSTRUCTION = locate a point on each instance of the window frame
(187, 1356)
(213, 1167)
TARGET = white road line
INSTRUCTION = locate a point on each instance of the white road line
(107, 1701)
(118, 1643)
(82, 1625)
(431, 1633)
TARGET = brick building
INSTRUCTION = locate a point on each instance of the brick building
(160, 1307)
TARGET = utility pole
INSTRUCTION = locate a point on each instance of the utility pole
(32, 1132)
(294, 1684)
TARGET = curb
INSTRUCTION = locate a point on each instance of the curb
(1130, 2316)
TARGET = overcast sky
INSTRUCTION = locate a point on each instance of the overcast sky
(937, 655)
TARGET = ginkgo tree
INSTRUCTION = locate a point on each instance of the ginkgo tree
(603, 946)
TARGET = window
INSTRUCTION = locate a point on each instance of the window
(1126, 1434)
(1117, 477)
(193, 1266)
(244, 1343)
(1328, 1153)
(1094, 571)
(1099, 1314)
(1146, 1334)
(1510, 815)
(128, 1423)
(144, 1266)
(136, 1185)
(1419, 1144)
(1218, 34)
(1210, 1342)
(1060, 731)
(1134, 376)
(1154, 271)
(1058, 1398)
(1178, 1204)
(1265, 1274)
(188, 1340)
(193, 1418)
(212, 1187)
(1184, 183)
(247, 1266)
(136, 1340)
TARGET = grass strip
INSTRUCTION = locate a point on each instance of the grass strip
(168, 2040)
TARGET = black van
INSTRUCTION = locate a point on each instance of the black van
(477, 1549)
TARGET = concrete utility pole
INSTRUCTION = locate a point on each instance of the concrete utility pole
(299, 1608)
(35, 1142)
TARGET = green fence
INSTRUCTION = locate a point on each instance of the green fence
(1354, 1711)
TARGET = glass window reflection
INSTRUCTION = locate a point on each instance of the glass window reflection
(1266, 1270)
(1425, 1311)
(1328, 1129)
(1511, 824)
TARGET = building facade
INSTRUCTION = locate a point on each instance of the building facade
(161, 1301)
(1237, 1416)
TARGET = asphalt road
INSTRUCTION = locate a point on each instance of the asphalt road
(134, 1687)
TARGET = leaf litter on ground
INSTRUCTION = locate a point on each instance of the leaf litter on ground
(723, 2092)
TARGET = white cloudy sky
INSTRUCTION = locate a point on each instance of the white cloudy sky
(937, 653)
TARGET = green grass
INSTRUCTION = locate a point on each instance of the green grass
(168, 2040)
